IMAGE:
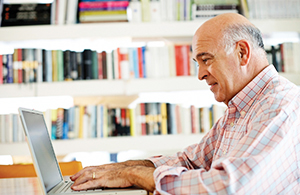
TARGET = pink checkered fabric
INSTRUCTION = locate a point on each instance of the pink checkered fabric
(253, 149)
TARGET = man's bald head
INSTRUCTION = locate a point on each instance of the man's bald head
(228, 29)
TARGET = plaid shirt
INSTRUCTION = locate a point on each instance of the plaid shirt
(253, 149)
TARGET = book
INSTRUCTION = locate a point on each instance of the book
(102, 4)
(54, 66)
(59, 123)
(95, 73)
(53, 123)
(9, 66)
(71, 15)
(39, 64)
(60, 12)
(65, 126)
(135, 11)
(100, 65)
(1, 69)
(15, 66)
(80, 65)
(87, 64)
(104, 65)
(67, 65)
(182, 60)
(109, 65)
(164, 119)
(26, 14)
(74, 67)
(60, 65)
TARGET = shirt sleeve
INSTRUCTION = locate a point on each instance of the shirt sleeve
(249, 167)
(194, 156)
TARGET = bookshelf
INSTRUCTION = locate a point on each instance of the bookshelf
(152, 144)
(176, 29)
(167, 31)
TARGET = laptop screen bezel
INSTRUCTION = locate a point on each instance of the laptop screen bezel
(33, 155)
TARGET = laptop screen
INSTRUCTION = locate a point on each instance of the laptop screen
(42, 149)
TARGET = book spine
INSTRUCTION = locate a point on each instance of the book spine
(1, 69)
(100, 66)
(67, 65)
(106, 4)
(87, 64)
(95, 73)
(10, 68)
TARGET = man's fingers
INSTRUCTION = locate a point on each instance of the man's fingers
(91, 184)
(78, 174)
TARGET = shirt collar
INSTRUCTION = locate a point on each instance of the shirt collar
(244, 99)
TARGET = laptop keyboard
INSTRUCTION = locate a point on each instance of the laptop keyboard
(67, 189)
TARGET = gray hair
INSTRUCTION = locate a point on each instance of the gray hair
(237, 32)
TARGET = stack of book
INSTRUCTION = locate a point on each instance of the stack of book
(100, 121)
(103, 11)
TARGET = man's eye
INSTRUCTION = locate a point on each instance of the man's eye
(205, 60)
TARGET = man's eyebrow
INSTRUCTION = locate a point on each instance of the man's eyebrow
(202, 54)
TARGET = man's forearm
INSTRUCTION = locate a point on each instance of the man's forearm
(146, 163)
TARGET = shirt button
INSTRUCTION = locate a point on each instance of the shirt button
(243, 113)
(224, 152)
(231, 124)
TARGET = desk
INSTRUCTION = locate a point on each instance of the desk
(17, 186)
(25, 186)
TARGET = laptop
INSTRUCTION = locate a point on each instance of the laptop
(45, 162)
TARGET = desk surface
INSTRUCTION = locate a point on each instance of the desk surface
(14, 186)
(27, 186)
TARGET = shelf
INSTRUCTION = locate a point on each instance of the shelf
(151, 144)
(101, 87)
(134, 30)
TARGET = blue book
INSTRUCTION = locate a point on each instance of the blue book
(10, 68)
(144, 62)
(135, 62)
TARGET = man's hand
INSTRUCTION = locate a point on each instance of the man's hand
(139, 173)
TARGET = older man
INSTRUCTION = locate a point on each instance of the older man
(253, 149)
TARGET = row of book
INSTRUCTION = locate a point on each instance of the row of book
(99, 121)
(285, 57)
(40, 65)
(265, 9)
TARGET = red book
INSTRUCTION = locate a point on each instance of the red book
(140, 62)
(143, 119)
(1, 69)
(105, 4)
(182, 60)
(20, 69)
(119, 63)
(123, 117)
(100, 67)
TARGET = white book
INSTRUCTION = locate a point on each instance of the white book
(8, 128)
(99, 127)
(109, 65)
(164, 57)
(149, 62)
(138, 120)
(61, 9)
(105, 121)
(164, 10)
(172, 65)
(155, 10)
(171, 10)
(135, 11)
(204, 119)
(71, 14)
(2, 128)
(186, 120)
(115, 64)
(39, 58)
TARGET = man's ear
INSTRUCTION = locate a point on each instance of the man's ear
(244, 51)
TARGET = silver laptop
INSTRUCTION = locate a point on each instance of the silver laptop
(45, 162)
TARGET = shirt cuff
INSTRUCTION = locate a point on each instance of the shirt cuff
(160, 174)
